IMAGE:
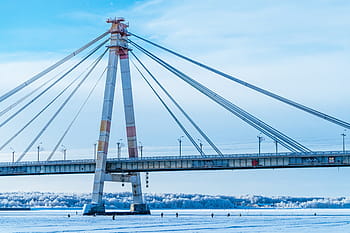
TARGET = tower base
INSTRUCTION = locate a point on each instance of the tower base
(97, 209)
(94, 209)
(140, 209)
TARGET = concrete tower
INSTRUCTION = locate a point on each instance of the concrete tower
(118, 48)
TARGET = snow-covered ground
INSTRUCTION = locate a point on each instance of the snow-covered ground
(247, 213)
(240, 220)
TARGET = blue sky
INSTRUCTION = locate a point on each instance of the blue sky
(299, 49)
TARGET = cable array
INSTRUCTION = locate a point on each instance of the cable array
(49, 85)
(61, 107)
(76, 83)
(269, 131)
(178, 106)
(253, 87)
(49, 69)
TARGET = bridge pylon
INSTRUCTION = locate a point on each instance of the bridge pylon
(118, 48)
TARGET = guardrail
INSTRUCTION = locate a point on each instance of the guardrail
(245, 155)
(186, 157)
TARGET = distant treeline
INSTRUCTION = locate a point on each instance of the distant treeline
(168, 201)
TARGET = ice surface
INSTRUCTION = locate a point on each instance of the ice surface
(243, 220)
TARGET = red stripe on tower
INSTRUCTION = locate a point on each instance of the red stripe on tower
(130, 131)
(123, 53)
(132, 152)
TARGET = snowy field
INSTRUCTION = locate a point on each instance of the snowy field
(240, 220)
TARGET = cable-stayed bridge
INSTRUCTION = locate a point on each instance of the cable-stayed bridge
(181, 163)
(128, 169)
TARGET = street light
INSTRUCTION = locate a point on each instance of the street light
(180, 143)
(200, 145)
(13, 154)
(276, 146)
(260, 139)
(141, 148)
(39, 147)
(119, 146)
(343, 135)
(64, 150)
(95, 150)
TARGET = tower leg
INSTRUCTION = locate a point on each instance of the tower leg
(97, 206)
(138, 204)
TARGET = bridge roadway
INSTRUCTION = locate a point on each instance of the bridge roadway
(183, 163)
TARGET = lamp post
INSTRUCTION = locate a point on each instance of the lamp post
(141, 149)
(13, 154)
(276, 146)
(95, 150)
(343, 135)
(260, 139)
(38, 150)
(200, 145)
(119, 146)
(180, 145)
(64, 150)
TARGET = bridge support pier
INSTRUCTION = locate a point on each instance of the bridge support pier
(118, 49)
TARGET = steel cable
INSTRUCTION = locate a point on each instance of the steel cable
(253, 87)
(53, 84)
(172, 114)
(46, 107)
(253, 121)
(61, 107)
(47, 70)
(76, 116)
(179, 107)
(10, 107)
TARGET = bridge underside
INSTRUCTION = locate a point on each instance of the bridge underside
(184, 163)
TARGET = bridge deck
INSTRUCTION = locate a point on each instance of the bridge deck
(184, 163)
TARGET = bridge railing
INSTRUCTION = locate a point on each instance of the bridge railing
(261, 155)
(186, 157)
(53, 162)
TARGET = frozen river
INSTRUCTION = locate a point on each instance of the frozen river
(201, 221)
